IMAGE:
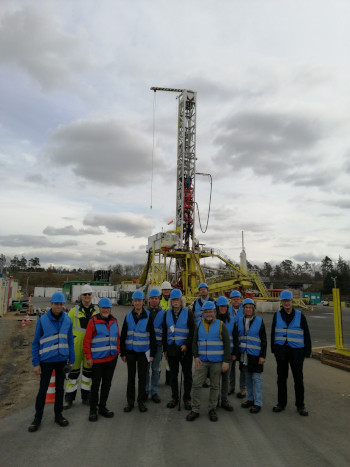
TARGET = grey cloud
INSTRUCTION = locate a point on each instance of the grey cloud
(31, 39)
(131, 224)
(101, 243)
(340, 203)
(307, 257)
(268, 143)
(104, 150)
(37, 241)
(70, 230)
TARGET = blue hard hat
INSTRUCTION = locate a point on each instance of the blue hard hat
(208, 306)
(154, 293)
(222, 301)
(203, 284)
(286, 295)
(235, 293)
(138, 295)
(248, 301)
(105, 303)
(175, 293)
(58, 297)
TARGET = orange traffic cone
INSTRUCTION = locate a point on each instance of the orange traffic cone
(50, 395)
(27, 319)
(23, 324)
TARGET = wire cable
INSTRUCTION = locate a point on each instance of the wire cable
(154, 126)
(211, 189)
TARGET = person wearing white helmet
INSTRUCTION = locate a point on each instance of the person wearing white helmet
(101, 347)
(178, 328)
(290, 343)
(80, 315)
(165, 289)
(252, 346)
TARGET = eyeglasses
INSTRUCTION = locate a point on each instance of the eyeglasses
(85, 294)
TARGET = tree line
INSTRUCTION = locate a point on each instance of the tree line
(322, 276)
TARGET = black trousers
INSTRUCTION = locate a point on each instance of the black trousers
(282, 376)
(139, 360)
(46, 372)
(102, 374)
(186, 364)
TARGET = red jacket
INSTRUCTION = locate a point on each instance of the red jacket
(91, 333)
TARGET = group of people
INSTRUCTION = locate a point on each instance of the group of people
(215, 334)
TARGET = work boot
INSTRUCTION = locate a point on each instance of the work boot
(192, 416)
(155, 398)
(227, 406)
(302, 411)
(212, 415)
(173, 403)
(188, 405)
(61, 421)
(128, 408)
(93, 415)
(105, 412)
(255, 409)
(67, 405)
(278, 408)
(247, 404)
(34, 425)
(142, 407)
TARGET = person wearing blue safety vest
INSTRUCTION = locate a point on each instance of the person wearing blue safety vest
(223, 315)
(178, 328)
(198, 304)
(212, 355)
(236, 311)
(52, 349)
(252, 347)
(138, 346)
(290, 343)
(157, 315)
(166, 288)
(101, 347)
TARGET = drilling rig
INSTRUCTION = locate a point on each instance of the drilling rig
(176, 255)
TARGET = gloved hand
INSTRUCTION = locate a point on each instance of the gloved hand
(67, 368)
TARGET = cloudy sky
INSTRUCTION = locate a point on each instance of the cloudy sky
(76, 126)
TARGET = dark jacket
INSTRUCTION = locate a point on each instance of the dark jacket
(253, 361)
(284, 351)
(174, 350)
(150, 329)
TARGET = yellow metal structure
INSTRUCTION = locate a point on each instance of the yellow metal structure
(338, 325)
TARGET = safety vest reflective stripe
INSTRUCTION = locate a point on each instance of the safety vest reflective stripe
(76, 326)
(100, 349)
(158, 329)
(210, 352)
(251, 338)
(138, 337)
(180, 330)
(210, 346)
(248, 338)
(51, 338)
(289, 334)
(53, 347)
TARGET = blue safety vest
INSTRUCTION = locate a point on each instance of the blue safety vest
(292, 334)
(239, 313)
(105, 341)
(250, 342)
(177, 333)
(52, 343)
(210, 346)
(198, 309)
(137, 338)
(230, 324)
(158, 325)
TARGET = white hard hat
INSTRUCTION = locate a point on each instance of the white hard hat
(86, 289)
(166, 285)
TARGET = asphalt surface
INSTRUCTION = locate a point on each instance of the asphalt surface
(163, 437)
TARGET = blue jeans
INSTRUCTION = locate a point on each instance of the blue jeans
(155, 371)
(254, 386)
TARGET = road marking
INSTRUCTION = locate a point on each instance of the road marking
(320, 317)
